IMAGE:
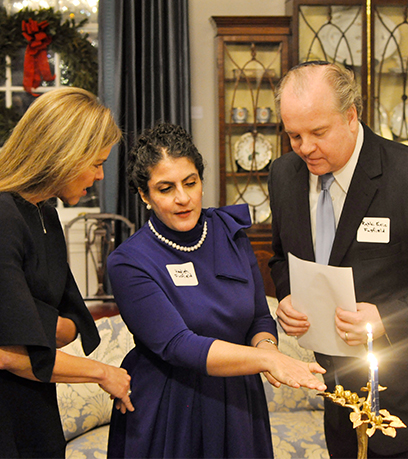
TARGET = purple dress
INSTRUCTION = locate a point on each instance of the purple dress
(176, 304)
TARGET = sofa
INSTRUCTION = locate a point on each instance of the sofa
(85, 408)
(296, 415)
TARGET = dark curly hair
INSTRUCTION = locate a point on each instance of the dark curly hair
(150, 148)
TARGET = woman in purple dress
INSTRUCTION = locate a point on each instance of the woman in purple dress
(189, 289)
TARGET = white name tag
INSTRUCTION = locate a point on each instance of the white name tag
(183, 275)
(374, 229)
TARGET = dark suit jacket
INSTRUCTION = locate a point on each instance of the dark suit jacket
(379, 188)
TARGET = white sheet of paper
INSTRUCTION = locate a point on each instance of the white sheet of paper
(316, 291)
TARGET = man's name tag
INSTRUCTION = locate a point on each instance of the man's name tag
(183, 275)
(374, 229)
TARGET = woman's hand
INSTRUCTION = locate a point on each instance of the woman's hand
(228, 359)
(117, 383)
(293, 373)
(72, 369)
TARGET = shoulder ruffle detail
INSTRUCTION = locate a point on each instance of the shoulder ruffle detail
(235, 217)
(226, 222)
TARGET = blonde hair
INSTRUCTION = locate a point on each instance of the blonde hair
(341, 80)
(59, 136)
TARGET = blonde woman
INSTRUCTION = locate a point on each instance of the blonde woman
(56, 150)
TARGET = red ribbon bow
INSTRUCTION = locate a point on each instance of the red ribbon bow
(36, 64)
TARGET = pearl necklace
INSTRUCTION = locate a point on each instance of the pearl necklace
(177, 246)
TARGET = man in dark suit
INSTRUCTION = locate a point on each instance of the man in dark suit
(320, 108)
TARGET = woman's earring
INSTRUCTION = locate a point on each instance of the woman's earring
(148, 207)
(202, 193)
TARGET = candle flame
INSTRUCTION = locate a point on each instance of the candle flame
(369, 328)
(373, 361)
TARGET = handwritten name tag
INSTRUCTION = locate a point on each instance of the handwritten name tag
(374, 229)
(183, 275)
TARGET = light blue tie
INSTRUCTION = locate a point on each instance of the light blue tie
(325, 221)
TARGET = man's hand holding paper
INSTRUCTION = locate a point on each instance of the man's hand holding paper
(355, 323)
(317, 291)
(293, 322)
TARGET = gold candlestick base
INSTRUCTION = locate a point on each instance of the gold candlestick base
(362, 441)
(364, 420)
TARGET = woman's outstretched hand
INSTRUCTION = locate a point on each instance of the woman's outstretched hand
(293, 373)
(228, 359)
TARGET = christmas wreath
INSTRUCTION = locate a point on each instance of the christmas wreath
(39, 31)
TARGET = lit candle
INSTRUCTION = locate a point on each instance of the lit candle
(371, 372)
(375, 399)
(376, 390)
(369, 338)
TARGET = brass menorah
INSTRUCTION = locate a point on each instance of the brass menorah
(364, 420)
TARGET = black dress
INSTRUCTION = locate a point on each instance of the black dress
(36, 286)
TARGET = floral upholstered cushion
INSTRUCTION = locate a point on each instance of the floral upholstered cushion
(85, 406)
(298, 435)
(296, 415)
(90, 445)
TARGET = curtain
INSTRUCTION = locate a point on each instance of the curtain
(144, 78)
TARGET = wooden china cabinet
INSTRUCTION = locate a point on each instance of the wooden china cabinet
(252, 55)
(371, 38)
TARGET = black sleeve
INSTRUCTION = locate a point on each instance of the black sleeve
(73, 307)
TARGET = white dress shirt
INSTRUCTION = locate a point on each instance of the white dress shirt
(338, 189)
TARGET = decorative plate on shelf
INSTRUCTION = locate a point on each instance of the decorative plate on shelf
(258, 203)
(244, 152)
(342, 37)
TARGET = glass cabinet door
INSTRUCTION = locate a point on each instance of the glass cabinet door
(371, 38)
(250, 66)
(390, 72)
(333, 32)
(252, 138)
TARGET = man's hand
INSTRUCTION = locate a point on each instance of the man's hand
(351, 326)
(293, 322)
